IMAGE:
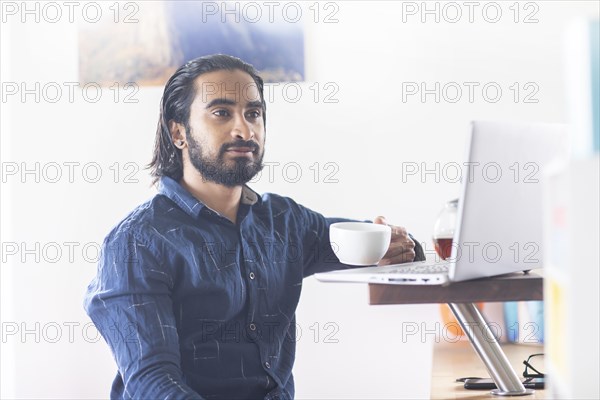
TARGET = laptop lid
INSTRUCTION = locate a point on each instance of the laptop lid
(499, 222)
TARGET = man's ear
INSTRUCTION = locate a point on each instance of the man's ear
(177, 131)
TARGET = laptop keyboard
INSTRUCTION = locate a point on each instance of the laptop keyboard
(420, 269)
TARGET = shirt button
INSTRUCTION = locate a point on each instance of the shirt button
(252, 327)
(267, 365)
(252, 276)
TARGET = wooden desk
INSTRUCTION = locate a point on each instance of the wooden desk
(513, 287)
(461, 297)
(455, 360)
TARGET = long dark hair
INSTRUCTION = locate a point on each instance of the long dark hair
(175, 105)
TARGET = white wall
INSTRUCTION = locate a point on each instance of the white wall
(48, 350)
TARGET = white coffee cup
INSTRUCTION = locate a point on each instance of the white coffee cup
(359, 243)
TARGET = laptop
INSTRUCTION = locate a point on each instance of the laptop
(499, 220)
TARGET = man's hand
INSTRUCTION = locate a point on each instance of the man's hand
(402, 247)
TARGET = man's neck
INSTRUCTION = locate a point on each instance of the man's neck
(222, 199)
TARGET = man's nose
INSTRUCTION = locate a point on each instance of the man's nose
(242, 129)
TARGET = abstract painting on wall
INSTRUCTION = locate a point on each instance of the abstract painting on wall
(145, 42)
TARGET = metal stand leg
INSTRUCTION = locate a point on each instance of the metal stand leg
(488, 349)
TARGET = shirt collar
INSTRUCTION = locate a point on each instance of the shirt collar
(188, 203)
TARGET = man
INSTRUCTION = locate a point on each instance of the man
(197, 288)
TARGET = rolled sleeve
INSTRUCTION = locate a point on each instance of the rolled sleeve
(318, 255)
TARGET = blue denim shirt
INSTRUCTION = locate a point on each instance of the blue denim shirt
(195, 306)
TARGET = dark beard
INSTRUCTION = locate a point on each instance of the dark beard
(215, 170)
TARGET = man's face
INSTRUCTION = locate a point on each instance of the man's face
(226, 132)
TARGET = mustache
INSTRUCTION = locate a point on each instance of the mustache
(240, 143)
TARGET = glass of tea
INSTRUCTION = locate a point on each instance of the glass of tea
(443, 230)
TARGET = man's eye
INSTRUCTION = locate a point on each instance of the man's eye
(221, 113)
(253, 114)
